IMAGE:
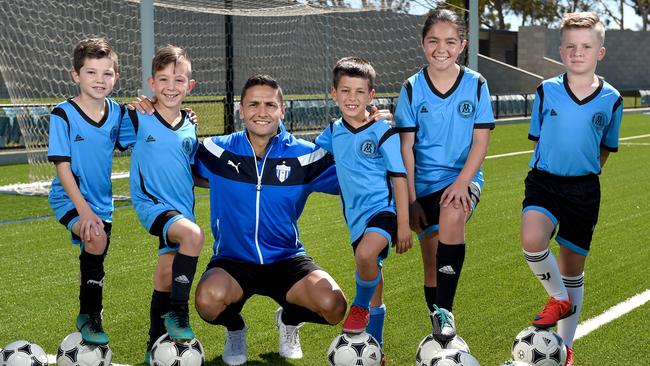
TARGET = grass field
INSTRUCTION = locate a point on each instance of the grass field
(497, 296)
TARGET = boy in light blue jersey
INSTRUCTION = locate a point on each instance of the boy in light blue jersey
(162, 190)
(83, 135)
(575, 125)
(444, 116)
(368, 165)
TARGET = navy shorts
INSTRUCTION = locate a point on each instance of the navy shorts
(570, 202)
(159, 229)
(73, 215)
(384, 223)
(272, 280)
(431, 206)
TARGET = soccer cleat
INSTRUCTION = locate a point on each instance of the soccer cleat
(569, 356)
(357, 320)
(551, 313)
(443, 323)
(147, 357)
(90, 326)
(177, 323)
(235, 351)
(289, 337)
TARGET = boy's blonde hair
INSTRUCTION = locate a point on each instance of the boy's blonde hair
(170, 55)
(586, 20)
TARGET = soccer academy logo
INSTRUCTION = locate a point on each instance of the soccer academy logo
(187, 145)
(466, 109)
(282, 172)
(368, 148)
(598, 120)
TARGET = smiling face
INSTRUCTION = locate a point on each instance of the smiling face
(96, 78)
(442, 45)
(353, 94)
(581, 49)
(171, 84)
(261, 109)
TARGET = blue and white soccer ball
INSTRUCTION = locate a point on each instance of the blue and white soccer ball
(354, 350)
(73, 351)
(23, 353)
(453, 357)
(539, 347)
(430, 346)
(168, 352)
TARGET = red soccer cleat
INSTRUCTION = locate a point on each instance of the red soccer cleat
(553, 311)
(569, 356)
(357, 320)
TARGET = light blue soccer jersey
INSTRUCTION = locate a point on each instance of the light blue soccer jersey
(366, 158)
(443, 126)
(161, 173)
(570, 132)
(88, 146)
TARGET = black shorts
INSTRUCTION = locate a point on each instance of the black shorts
(157, 228)
(570, 202)
(273, 280)
(73, 214)
(431, 206)
(383, 223)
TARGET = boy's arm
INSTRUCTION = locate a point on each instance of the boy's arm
(88, 222)
(459, 189)
(400, 187)
(604, 154)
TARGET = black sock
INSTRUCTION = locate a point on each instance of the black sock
(294, 315)
(430, 297)
(230, 318)
(449, 263)
(183, 269)
(92, 280)
(159, 307)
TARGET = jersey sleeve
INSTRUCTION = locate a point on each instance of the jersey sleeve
(389, 147)
(59, 140)
(324, 140)
(484, 115)
(610, 136)
(322, 165)
(199, 167)
(128, 130)
(405, 119)
(537, 115)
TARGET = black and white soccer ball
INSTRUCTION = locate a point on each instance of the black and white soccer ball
(354, 350)
(23, 353)
(73, 351)
(168, 352)
(453, 357)
(539, 347)
(515, 363)
(431, 345)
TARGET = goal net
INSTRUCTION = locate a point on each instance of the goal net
(295, 42)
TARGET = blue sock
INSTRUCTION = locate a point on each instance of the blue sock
(365, 289)
(376, 326)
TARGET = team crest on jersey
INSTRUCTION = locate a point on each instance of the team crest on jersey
(368, 148)
(114, 134)
(466, 108)
(599, 120)
(282, 172)
(187, 145)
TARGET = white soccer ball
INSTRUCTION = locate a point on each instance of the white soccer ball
(515, 363)
(354, 350)
(168, 352)
(453, 357)
(73, 351)
(23, 353)
(431, 345)
(539, 347)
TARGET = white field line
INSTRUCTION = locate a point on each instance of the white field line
(51, 359)
(636, 143)
(612, 313)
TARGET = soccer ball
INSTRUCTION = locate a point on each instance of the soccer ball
(23, 353)
(453, 357)
(354, 349)
(431, 345)
(168, 352)
(73, 351)
(539, 347)
(515, 363)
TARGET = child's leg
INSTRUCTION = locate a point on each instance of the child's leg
(190, 239)
(429, 248)
(450, 255)
(377, 313)
(160, 297)
(572, 268)
(536, 231)
(91, 266)
(368, 272)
